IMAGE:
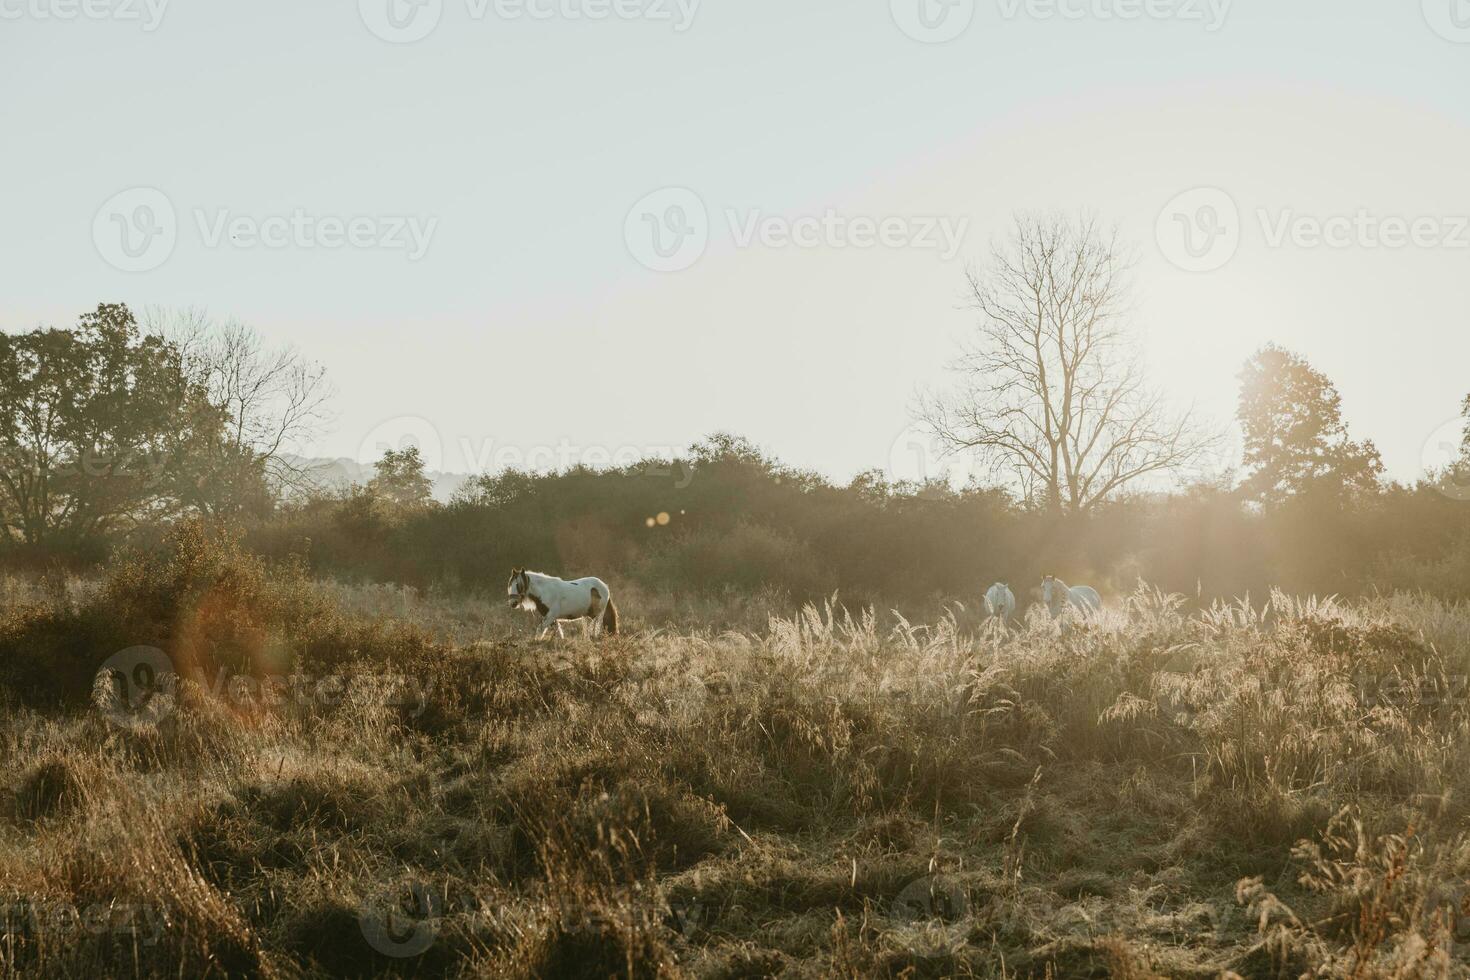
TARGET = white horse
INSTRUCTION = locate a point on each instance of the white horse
(1001, 601)
(558, 601)
(1058, 595)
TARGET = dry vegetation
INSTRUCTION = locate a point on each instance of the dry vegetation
(1159, 793)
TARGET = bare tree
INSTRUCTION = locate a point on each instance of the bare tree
(276, 401)
(1051, 390)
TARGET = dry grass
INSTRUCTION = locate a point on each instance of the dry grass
(1157, 794)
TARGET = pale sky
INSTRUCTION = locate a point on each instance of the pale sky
(493, 165)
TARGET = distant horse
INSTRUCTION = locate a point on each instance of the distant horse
(1001, 601)
(1059, 596)
(558, 601)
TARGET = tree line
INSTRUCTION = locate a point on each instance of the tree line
(111, 430)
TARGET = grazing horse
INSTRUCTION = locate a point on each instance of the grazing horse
(1001, 601)
(558, 600)
(1059, 596)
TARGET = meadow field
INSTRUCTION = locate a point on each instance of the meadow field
(326, 779)
(354, 348)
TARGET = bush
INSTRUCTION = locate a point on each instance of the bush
(210, 607)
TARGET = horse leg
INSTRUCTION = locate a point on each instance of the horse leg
(594, 613)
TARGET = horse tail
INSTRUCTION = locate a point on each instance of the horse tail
(610, 618)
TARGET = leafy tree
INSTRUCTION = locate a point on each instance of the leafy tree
(1296, 443)
(495, 489)
(400, 480)
(100, 427)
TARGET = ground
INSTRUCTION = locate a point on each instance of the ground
(822, 794)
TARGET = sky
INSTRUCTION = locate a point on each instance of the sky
(536, 232)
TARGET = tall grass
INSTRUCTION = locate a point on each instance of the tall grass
(815, 792)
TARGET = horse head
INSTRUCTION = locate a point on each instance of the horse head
(520, 584)
(1055, 593)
